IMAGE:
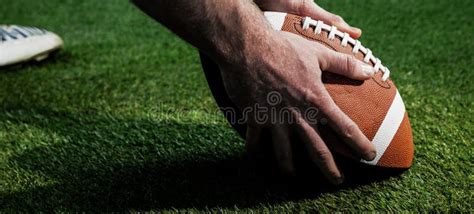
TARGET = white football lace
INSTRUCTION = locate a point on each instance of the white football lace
(357, 46)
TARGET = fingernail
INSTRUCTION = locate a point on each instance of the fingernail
(369, 70)
(358, 30)
(370, 156)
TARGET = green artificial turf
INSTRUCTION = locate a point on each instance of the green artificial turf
(122, 119)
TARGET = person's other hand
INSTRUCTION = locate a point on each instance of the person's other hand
(291, 67)
(311, 9)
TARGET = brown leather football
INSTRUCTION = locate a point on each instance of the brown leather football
(375, 105)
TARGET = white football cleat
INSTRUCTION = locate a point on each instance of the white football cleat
(20, 44)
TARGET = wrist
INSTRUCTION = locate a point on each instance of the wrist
(242, 34)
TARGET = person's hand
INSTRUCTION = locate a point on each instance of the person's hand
(290, 68)
(256, 61)
(311, 9)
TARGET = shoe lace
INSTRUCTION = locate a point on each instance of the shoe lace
(346, 39)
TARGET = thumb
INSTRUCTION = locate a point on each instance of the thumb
(346, 65)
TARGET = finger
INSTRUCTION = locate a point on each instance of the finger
(344, 126)
(345, 64)
(311, 9)
(252, 139)
(318, 151)
(282, 148)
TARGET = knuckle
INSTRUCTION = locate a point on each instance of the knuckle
(350, 64)
(324, 59)
(302, 6)
(323, 156)
(307, 94)
(324, 102)
(337, 18)
(350, 130)
(315, 98)
(295, 5)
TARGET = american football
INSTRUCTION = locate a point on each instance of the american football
(374, 105)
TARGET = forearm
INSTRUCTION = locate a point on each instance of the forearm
(221, 28)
